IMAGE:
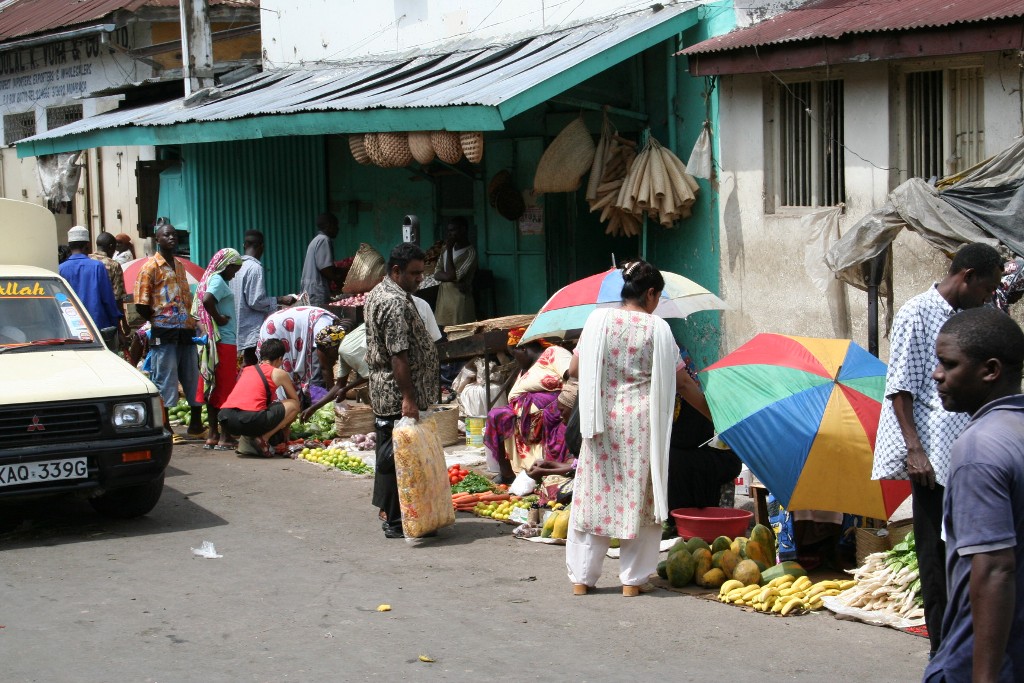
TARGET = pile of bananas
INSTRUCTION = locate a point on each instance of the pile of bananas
(783, 595)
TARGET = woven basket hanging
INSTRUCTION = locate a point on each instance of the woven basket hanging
(420, 147)
(447, 146)
(567, 158)
(472, 146)
(358, 149)
(394, 147)
(372, 145)
(505, 197)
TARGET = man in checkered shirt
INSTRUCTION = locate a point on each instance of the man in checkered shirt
(915, 432)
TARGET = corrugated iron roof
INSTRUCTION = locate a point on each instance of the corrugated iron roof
(467, 73)
(836, 18)
(28, 17)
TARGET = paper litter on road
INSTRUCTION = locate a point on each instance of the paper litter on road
(206, 550)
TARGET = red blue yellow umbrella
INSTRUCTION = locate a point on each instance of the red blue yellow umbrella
(802, 413)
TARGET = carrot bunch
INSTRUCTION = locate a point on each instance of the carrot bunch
(467, 501)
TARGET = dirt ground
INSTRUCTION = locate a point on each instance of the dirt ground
(305, 566)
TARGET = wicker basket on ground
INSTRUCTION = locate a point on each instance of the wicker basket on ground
(420, 146)
(352, 418)
(394, 147)
(447, 146)
(472, 146)
(358, 149)
(446, 418)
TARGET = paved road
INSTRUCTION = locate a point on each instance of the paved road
(304, 567)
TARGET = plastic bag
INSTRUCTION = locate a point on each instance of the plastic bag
(523, 485)
(699, 164)
(424, 491)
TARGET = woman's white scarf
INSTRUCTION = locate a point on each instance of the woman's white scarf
(592, 350)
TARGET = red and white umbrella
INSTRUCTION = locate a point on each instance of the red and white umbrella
(193, 272)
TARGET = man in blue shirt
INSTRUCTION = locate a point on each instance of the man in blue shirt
(980, 354)
(91, 283)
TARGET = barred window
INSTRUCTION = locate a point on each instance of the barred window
(811, 159)
(944, 121)
(18, 126)
(63, 115)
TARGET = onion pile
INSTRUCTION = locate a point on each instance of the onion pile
(365, 442)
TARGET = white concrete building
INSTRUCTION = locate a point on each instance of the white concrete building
(833, 105)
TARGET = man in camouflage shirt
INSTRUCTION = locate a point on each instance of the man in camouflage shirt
(404, 371)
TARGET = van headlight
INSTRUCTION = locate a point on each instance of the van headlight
(128, 415)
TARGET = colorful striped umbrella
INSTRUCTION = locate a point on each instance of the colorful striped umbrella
(193, 272)
(569, 307)
(802, 413)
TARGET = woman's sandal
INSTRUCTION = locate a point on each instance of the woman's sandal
(580, 589)
(265, 449)
(210, 444)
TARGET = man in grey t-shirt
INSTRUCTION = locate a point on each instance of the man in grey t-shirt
(318, 270)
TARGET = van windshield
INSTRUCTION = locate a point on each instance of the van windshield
(37, 311)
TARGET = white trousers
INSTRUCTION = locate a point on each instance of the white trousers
(638, 557)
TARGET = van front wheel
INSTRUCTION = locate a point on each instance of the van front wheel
(129, 502)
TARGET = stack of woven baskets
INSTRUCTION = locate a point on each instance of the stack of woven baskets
(397, 150)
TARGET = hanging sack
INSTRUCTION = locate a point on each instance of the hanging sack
(424, 490)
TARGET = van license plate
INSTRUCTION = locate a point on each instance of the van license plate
(49, 470)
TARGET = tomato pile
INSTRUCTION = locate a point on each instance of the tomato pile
(456, 473)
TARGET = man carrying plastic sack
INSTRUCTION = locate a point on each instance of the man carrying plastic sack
(404, 370)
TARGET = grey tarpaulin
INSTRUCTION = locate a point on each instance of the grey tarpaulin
(58, 176)
(983, 204)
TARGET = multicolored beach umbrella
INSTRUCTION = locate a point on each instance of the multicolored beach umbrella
(569, 307)
(802, 413)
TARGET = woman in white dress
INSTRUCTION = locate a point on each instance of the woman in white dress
(630, 370)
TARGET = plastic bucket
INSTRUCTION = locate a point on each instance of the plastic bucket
(711, 522)
(475, 431)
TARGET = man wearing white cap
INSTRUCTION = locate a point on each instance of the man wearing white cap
(91, 283)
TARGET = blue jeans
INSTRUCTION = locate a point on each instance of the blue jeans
(171, 364)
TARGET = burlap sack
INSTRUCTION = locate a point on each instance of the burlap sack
(368, 269)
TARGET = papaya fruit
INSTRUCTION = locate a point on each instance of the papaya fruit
(561, 528)
(739, 546)
(696, 542)
(765, 537)
(702, 562)
(789, 567)
(679, 545)
(712, 579)
(716, 559)
(662, 571)
(549, 525)
(728, 563)
(747, 572)
(761, 566)
(758, 553)
(721, 543)
(679, 568)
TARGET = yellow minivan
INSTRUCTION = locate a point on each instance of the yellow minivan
(75, 418)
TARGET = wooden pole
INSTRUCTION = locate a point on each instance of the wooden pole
(196, 46)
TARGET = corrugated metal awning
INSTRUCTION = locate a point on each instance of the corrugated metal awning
(472, 85)
(837, 18)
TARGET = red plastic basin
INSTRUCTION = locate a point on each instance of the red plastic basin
(710, 523)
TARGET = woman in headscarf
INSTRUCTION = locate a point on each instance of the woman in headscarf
(298, 328)
(530, 427)
(214, 308)
(630, 370)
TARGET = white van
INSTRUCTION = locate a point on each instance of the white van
(75, 418)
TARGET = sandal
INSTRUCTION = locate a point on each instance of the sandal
(221, 447)
(178, 440)
(211, 444)
(196, 436)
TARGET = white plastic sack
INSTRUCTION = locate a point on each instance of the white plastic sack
(875, 617)
(523, 485)
(699, 164)
(473, 399)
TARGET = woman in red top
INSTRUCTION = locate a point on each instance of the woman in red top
(251, 410)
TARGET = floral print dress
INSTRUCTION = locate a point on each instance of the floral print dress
(613, 494)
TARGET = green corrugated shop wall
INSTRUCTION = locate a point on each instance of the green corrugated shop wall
(276, 185)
